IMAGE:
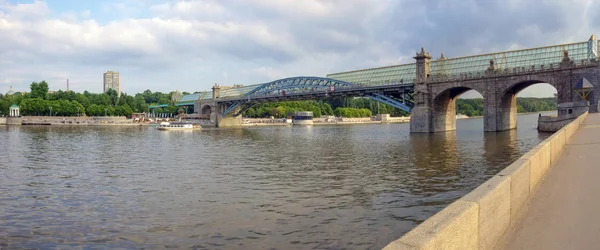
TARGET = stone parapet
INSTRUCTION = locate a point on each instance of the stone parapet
(480, 218)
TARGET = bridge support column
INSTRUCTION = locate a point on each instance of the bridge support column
(420, 119)
(429, 116)
(508, 112)
(228, 121)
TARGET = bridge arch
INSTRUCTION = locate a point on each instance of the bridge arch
(444, 106)
(206, 109)
(310, 87)
(299, 84)
(507, 112)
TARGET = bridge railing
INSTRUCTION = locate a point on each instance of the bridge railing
(510, 71)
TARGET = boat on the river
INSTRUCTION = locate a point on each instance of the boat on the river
(178, 126)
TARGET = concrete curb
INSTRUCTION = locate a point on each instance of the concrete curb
(480, 218)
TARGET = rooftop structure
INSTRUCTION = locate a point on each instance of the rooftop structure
(188, 100)
(14, 111)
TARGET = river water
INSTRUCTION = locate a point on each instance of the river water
(321, 187)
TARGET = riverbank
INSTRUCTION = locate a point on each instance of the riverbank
(69, 121)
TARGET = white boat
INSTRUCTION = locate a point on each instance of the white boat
(178, 126)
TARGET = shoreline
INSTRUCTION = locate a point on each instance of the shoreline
(319, 123)
(45, 122)
(525, 113)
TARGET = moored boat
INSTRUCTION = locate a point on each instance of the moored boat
(178, 126)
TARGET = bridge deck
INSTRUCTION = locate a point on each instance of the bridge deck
(563, 212)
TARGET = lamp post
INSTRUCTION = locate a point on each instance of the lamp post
(77, 111)
(104, 112)
(50, 111)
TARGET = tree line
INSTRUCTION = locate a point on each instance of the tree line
(69, 103)
(341, 107)
(474, 107)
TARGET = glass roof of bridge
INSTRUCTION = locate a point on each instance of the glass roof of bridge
(510, 59)
(536, 57)
(404, 73)
(240, 91)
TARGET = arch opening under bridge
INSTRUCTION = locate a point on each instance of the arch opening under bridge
(508, 107)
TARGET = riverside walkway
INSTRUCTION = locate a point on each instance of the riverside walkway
(563, 212)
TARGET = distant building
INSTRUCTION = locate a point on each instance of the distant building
(112, 81)
(10, 91)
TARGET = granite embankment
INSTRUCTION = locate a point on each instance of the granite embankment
(480, 219)
(563, 211)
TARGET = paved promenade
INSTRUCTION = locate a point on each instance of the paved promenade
(564, 212)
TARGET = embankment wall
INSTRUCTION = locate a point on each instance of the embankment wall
(480, 218)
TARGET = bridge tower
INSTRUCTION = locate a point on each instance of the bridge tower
(228, 121)
(420, 119)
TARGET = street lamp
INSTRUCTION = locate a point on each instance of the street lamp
(77, 111)
(50, 111)
(104, 112)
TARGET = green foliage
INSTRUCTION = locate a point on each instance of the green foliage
(321, 108)
(39, 90)
(469, 107)
(474, 107)
(281, 109)
(352, 112)
(65, 103)
(34, 106)
(38, 106)
(366, 103)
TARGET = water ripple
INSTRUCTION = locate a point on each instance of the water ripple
(355, 187)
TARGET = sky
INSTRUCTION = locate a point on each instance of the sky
(166, 45)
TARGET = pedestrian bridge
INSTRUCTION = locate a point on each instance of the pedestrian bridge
(429, 88)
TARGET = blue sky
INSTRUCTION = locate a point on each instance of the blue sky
(185, 45)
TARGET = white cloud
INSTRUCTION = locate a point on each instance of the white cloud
(189, 45)
(189, 9)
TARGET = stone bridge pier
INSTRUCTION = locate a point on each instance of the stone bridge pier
(435, 97)
(214, 109)
(228, 121)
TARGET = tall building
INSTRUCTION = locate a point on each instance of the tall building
(112, 81)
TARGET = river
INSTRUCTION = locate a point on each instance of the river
(320, 187)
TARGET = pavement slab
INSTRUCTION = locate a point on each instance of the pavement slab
(563, 212)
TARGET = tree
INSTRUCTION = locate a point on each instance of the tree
(39, 90)
(95, 110)
(123, 110)
(34, 106)
(278, 112)
(251, 112)
(113, 96)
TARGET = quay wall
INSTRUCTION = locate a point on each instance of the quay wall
(480, 218)
(554, 123)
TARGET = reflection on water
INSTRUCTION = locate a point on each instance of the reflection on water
(355, 187)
